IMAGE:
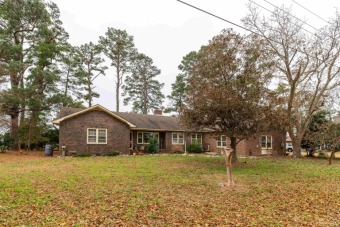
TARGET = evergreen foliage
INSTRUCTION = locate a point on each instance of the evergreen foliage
(31, 37)
(91, 68)
(119, 47)
(179, 88)
(141, 88)
(153, 146)
(195, 147)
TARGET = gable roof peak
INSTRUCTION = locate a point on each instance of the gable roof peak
(94, 107)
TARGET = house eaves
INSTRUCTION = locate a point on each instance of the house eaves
(156, 130)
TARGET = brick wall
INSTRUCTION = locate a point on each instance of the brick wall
(73, 133)
(174, 147)
(248, 147)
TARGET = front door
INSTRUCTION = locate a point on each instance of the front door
(161, 140)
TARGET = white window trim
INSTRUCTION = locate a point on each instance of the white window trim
(271, 142)
(172, 137)
(97, 137)
(220, 139)
(143, 136)
(196, 134)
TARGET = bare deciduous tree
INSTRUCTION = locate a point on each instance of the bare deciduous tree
(307, 64)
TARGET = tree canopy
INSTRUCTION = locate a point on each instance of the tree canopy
(119, 47)
(141, 88)
(179, 88)
(227, 88)
(31, 37)
(91, 68)
(306, 63)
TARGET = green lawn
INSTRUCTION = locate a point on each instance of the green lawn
(167, 190)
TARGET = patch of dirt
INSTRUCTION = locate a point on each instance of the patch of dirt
(238, 187)
(237, 164)
(243, 164)
(10, 155)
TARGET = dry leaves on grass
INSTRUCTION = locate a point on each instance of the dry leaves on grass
(166, 190)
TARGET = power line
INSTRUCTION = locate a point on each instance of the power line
(218, 17)
(237, 25)
(260, 6)
(282, 11)
(309, 11)
(291, 15)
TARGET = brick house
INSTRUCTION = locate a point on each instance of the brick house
(98, 130)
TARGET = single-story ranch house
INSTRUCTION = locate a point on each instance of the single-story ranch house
(98, 130)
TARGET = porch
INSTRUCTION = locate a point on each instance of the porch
(139, 140)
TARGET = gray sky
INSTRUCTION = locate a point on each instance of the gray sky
(165, 30)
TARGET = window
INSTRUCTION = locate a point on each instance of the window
(195, 137)
(144, 137)
(177, 138)
(222, 141)
(96, 136)
(266, 142)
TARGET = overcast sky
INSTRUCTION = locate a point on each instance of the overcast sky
(165, 30)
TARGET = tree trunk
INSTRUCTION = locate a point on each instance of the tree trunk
(90, 94)
(228, 157)
(331, 156)
(296, 140)
(66, 87)
(31, 126)
(117, 88)
(145, 107)
(296, 147)
(14, 130)
(145, 98)
(233, 144)
(22, 105)
(117, 98)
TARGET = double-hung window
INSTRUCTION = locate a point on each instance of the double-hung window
(195, 137)
(96, 136)
(177, 138)
(222, 141)
(266, 142)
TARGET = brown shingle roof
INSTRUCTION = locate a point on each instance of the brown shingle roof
(65, 111)
(155, 122)
(141, 121)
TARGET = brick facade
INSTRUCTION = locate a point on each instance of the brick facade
(244, 148)
(73, 133)
(140, 146)
(251, 146)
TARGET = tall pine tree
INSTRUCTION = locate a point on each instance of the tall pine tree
(31, 35)
(91, 68)
(71, 77)
(141, 88)
(119, 47)
(179, 88)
